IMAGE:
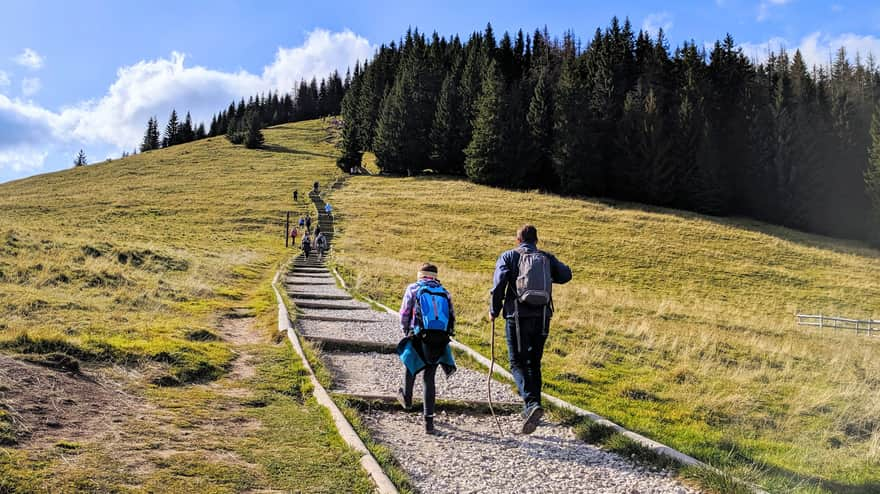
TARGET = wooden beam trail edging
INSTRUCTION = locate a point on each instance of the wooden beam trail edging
(639, 439)
(346, 431)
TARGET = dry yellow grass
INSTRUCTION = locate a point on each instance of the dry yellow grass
(129, 266)
(676, 325)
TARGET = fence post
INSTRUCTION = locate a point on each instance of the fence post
(821, 322)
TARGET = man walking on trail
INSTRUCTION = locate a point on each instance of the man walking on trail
(309, 222)
(295, 196)
(320, 243)
(428, 321)
(293, 233)
(302, 222)
(307, 244)
(522, 290)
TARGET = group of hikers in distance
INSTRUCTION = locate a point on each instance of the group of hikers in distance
(316, 241)
(521, 293)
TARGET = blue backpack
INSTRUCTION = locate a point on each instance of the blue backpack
(434, 308)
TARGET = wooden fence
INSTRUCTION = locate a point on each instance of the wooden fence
(868, 326)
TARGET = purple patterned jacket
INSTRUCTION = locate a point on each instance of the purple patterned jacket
(409, 309)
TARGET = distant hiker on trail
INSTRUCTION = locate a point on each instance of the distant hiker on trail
(302, 222)
(522, 288)
(328, 209)
(315, 187)
(320, 243)
(307, 244)
(293, 233)
(428, 321)
(308, 222)
(295, 196)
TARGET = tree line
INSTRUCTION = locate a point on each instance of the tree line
(241, 122)
(624, 116)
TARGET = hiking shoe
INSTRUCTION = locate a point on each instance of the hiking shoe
(401, 398)
(532, 416)
(429, 426)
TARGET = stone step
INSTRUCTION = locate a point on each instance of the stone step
(312, 275)
(292, 284)
(306, 304)
(298, 269)
(342, 345)
(318, 296)
(468, 405)
(313, 317)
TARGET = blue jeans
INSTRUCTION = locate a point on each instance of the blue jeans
(526, 365)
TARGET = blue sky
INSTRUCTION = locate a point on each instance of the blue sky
(88, 74)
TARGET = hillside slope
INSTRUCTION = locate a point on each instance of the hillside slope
(152, 273)
(676, 325)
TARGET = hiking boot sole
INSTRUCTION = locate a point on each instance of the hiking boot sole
(532, 420)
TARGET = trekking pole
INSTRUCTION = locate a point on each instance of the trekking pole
(489, 381)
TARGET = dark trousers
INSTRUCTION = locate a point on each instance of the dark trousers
(428, 375)
(525, 365)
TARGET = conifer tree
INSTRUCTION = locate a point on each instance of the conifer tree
(486, 155)
(172, 131)
(80, 159)
(872, 175)
(539, 165)
(447, 142)
(253, 137)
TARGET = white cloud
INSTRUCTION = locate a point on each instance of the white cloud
(816, 48)
(653, 22)
(765, 6)
(30, 59)
(30, 86)
(154, 87)
(4, 79)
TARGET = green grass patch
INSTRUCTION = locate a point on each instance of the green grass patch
(677, 326)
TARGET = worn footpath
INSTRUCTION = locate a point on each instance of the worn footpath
(469, 454)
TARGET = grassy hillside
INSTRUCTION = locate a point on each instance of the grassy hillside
(135, 268)
(676, 325)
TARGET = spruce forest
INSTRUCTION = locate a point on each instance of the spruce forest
(624, 116)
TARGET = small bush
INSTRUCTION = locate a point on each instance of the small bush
(201, 335)
(56, 360)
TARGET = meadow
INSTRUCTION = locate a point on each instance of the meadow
(676, 325)
(152, 272)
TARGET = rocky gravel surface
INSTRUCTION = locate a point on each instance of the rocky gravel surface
(382, 331)
(469, 456)
(378, 373)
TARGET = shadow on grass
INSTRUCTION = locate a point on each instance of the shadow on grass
(274, 148)
(799, 237)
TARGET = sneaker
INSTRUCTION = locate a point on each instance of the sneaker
(401, 398)
(532, 414)
(429, 426)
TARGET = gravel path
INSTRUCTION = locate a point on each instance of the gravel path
(469, 456)
(379, 373)
(382, 332)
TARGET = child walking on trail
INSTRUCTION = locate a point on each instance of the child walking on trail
(427, 320)
(293, 233)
